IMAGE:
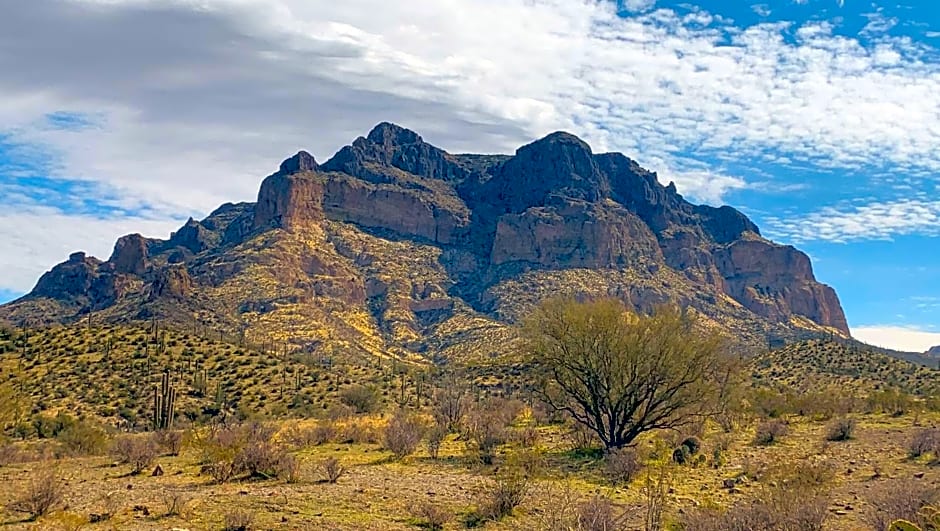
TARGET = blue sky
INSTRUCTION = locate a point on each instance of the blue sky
(818, 118)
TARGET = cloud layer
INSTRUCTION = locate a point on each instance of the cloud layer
(874, 220)
(155, 110)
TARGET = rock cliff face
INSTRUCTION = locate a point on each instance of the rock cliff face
(934, 351)
(396, 244)
(289, 201)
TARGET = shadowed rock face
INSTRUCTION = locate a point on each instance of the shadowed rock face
(343, 236)
(130, 255)
(69, 280)
(934, 351)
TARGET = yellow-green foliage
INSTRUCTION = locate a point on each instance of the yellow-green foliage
(110, 372)
(811, 365)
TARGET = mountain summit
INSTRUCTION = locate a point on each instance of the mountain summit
(394, 246)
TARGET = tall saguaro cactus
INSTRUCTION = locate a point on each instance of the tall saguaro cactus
(164, 403)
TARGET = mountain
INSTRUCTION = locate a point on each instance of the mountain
(396, 247)
(933, 352)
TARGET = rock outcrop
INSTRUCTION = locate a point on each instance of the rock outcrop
(130, 255)
(399, 239)
(289, 201)
(69, 281)
(776, 281)
(173, 282)
(934, 351)
(570, 233)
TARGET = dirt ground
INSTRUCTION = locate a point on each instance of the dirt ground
(378, 493)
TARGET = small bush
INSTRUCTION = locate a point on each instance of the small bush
(137, 451)
(527, 437)
(600, 514)
(771, 431)
(82, 438)
(436, 436)
(841, 429)
(681, 455)
(9, 454)
(923, 442)
(44, 493)
(777, 509)
(321, 433)
(503, 496)
(168, 441)
(332, 469)
(363, 399)
(360, 432)
(288, 468)
(899, 499)
(621, 466)
(260, 459)
(175, 503)
(693, 444)
(486, 429)
(403, 434)
(449, 404)
(237, 520)
(432, 516)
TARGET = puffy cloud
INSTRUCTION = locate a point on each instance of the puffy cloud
(875, 220)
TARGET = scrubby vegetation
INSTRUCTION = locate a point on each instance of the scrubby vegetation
(402, 444)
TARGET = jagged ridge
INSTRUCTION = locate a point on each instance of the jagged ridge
(394, 245)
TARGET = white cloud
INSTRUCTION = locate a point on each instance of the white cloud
(878, 23)
(873, 220)
(637, 6)
(33, 241)
(197, 119)
(903, 338)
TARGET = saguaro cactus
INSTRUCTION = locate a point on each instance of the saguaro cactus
(164, 403)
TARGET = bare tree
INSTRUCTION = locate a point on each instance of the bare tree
(621, 374)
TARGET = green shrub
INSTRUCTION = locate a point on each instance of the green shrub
(681, 455)
(694, 444)
(363, 399)
(82, 438)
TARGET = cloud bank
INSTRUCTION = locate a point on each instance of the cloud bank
(158, 110)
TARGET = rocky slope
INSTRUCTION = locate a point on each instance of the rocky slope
(394, 246)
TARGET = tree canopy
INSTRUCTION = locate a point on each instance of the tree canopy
(621, 374)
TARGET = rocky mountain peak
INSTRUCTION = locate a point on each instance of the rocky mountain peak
(288, 201)
(558, 164)
(300, 162)
(193, 236)
(389, 147)
(130, 255)
(71, 279)
(934, 351)
(389, 134)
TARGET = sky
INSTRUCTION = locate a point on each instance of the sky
(820, 119)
